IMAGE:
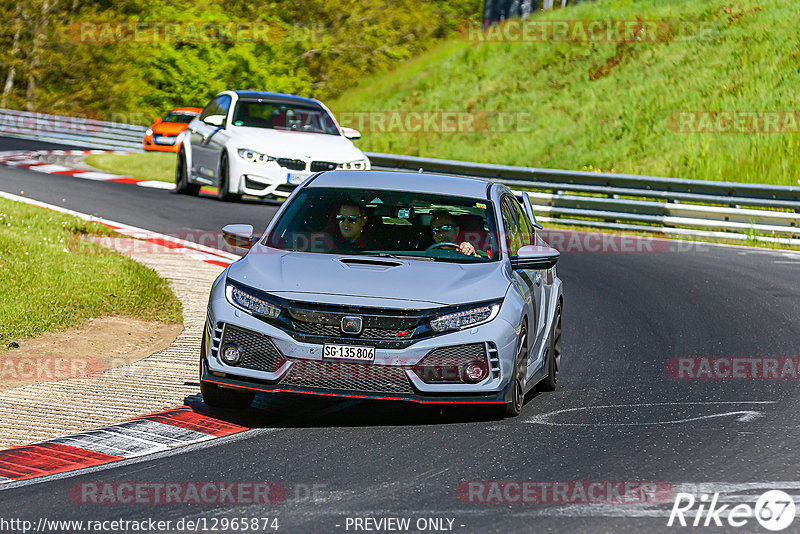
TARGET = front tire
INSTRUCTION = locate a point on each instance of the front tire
(182, 184)
(218, 397)
(223, 184)
(553, 355)
(513, 408)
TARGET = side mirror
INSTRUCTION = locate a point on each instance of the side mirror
(215, 120)
(535, 257)
(351, 133)
(157, 120)
(239, 235)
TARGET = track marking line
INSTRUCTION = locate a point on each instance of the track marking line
(28, 160)
(142, 436)
(744, 416)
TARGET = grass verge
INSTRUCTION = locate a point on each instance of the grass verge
(613, 105)
(146, 166)
(53, 279)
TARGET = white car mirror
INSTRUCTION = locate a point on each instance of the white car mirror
(351, 133)
(535, 257)
(215, 120)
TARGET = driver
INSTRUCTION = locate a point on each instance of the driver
(350, 220)
(445, 230)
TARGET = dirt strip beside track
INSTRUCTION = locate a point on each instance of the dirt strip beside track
(160, 381)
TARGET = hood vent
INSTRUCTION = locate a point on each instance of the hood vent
(370, 262)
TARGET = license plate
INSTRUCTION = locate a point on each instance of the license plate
(161, 140)
(349, 352)
(295, 178)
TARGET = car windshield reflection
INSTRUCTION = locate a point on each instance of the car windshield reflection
(391, 224)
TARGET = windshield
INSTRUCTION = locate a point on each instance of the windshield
(284, 116)
(387, 223)
(177, 116)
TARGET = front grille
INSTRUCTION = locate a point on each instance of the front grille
(326, 330)
(348, 377)
(258, 351)
(317, 166)
(445, 364)
(294, 164)
(394, 329)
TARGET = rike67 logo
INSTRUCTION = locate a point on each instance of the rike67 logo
(774, 510)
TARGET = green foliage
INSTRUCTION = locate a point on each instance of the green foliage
(315, 48)
(605, 105)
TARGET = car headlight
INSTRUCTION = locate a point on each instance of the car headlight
(254, 157)
(357, 165)
(250, 303)
(149, 131)
(465, 318)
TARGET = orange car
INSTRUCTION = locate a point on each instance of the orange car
(166, 133)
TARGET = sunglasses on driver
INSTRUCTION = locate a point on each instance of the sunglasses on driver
(352, 219)
(442, 229)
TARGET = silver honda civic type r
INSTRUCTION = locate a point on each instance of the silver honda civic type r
(388, 285)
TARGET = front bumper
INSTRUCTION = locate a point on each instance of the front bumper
(278, 177)
(255, 385)
(166, 144)
(288, 365)
(262, 181)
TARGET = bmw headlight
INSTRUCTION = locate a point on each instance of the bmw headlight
(250, 303)
(254, 157)
(148, 132)
(357, 165)
(465, 318)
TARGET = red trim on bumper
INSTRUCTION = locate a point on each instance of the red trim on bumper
(347, 396)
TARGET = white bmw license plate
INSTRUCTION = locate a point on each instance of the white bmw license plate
(349, 352)
(161, 140)
(295, 178)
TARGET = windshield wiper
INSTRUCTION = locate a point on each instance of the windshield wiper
(399, 256)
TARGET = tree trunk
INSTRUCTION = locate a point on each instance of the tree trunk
(12, 71)
(41, 23)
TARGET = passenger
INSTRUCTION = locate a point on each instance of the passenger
(350, 220)
(445, 230)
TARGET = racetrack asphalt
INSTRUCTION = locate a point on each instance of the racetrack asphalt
(626, 315)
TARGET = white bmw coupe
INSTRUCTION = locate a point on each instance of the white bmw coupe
(260, 144)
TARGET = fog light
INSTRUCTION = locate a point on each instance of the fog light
(231, 354)
(475, 371)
